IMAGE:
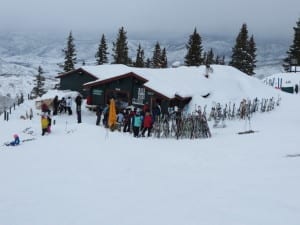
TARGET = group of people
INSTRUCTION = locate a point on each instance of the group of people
(138, 121)
(142, 122)
(59, 106)
(63, 105)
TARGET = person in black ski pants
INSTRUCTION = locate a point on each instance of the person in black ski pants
(78, 101)
(98, 114)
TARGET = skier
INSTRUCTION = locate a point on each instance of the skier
(49, 123)
(147, 124)
(55, 105)
(15, 142)
(127, 118)
(78, 101)
(62, 105)
(44, 107)
(44, 123)
(105, 116)
(69, 105)
(98, 114)
(120, 120)
(137, 123)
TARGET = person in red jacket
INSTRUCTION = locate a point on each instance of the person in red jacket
(147, 124)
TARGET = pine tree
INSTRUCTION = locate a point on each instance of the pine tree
(194, 47)
(217, 60)
(222, 61)
(70, 54)
(140, 58)
(252, 53)
(39, 82)
(120, 49)
(148, 63)
(241, 58)
(156, 58)
(204, 57)
(164, 59)
(101, 55)
(293, 58)
(209, 58)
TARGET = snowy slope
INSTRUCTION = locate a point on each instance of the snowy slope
(84, 174)
(283, 79)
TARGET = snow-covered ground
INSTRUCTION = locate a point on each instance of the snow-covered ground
(84, 174)
(283, 79)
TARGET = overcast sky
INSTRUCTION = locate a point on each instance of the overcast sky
(264, 18)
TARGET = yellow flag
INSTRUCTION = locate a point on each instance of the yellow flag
(112, 116)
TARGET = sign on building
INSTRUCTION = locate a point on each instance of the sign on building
(140, 97)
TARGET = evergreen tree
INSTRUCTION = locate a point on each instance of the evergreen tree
(293, 54)
(217, 60)
(156, 58)
(204, 57)
(120, 48)
(101, 55)
(252, 53)
(194, 48)
(148, 63)
(241, 58)
(39, 82)
(164, 59)
(140, 58)
(222, 60)
(70, 54)
(209, 58)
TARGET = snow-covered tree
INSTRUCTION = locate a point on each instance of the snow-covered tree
(243, 55)
(101, 55)
(39, 82)
(194, 48)
(209, 59)
(293, 54)
(148, 63)
(164, 59)
(140, 57)
(252, 53)
(156, 58)
(120, 48)
(70, 54)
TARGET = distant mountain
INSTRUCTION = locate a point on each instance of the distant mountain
(22, 53)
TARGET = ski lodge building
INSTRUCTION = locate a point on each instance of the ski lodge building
(136, 86)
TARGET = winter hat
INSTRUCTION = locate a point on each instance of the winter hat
(15, 136)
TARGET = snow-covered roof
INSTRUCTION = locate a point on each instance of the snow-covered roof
(187, 81)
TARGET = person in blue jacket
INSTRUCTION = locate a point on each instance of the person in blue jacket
(137, 123)
(15, 142)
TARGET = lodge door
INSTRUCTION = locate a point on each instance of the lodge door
(122, 99)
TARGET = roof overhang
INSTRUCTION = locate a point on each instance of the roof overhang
(126, 75)
(79, 70)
